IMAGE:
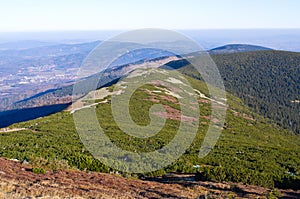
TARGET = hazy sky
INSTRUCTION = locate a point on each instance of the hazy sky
(37, 15)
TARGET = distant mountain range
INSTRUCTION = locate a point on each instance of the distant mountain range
(25, 44)
(234, 48)
(49, 50)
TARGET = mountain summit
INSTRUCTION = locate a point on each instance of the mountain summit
(234, 48)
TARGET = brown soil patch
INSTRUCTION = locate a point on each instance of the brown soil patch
(204, 101)
(153, 99)
(206, 117)
(174, 114)
(243, 115)
(219, 107)
(18, 181)
(169, 98)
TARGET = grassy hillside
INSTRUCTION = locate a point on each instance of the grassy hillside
(251, 149)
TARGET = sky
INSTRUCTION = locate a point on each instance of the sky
(61, 15)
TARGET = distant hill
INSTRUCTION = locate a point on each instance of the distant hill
(52, 50)
(13, 60)
(25, 44)
(234, 48)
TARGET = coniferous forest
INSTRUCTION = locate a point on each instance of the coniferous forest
(267, 81)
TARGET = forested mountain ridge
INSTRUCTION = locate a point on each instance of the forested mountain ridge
(267, 81)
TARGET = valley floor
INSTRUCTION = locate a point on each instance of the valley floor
(18, 181)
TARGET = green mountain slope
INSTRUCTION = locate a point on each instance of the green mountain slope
(251, 149)
(267, 81)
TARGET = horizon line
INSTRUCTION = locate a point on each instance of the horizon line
(179, 29)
